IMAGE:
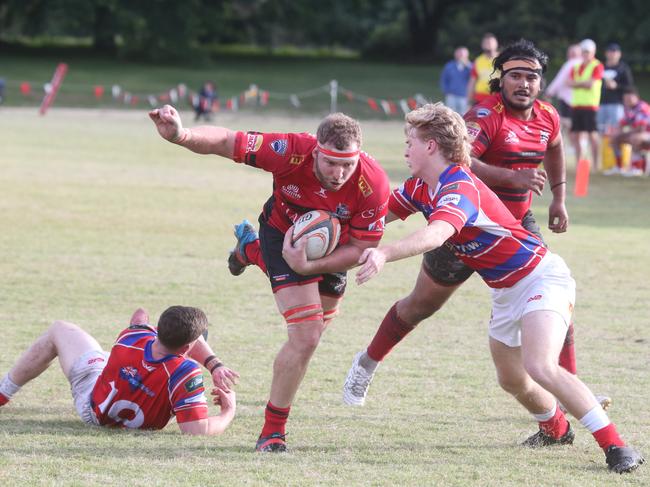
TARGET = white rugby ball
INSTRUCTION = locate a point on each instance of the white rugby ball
(322, 231)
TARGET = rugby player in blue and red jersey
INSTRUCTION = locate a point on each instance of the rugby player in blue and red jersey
(512, 133)
(533, 293)
(323, 172)
(150, 375)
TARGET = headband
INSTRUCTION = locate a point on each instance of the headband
(531, 65)
(337, 154)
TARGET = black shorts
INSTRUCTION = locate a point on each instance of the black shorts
(564, 109)
(281, 275)
(445, 268)
(583, 120)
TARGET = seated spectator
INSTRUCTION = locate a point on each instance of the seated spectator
(634, 129)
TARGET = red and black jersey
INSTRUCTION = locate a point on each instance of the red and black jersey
(360, 204)
(504, 141)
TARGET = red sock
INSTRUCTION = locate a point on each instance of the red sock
(390, 333)
(608, 436)
(275, 419)
(254, 254)
(568, 353)
(557, 426)
(3, 399)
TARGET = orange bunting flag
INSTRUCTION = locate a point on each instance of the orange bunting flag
(412, 103)
(99, 92)
(25, 88)
(373, 104)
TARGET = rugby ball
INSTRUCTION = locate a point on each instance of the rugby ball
(322, 231)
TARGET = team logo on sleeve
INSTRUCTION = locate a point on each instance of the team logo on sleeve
(482, 112)
(378, 225)
(449, 199)
(279, 146)
(296, 159)
(253, 142)
(473, 129)
(194, 383)
(365, 188)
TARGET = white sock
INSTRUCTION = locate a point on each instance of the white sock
(7, 387)
(367, 363)
(595, 420)
(547, 415)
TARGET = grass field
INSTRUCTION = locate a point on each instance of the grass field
(99, 216)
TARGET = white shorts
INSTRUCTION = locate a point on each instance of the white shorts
(549, 287)
(83, 376)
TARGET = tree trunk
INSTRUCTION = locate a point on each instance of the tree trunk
(424, 20)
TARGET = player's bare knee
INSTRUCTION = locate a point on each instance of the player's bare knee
(305, 327)
(544, 373)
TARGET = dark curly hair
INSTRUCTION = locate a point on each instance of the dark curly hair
(521, 49)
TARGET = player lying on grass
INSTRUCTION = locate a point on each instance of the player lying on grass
(323, 172)
(533, 292)
(150, 375)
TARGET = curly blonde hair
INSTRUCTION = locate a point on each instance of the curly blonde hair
(339, 130)
(445, 126)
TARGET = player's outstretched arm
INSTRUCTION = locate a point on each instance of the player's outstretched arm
(214, 425)
(431, 237)
(531, 179)
(205, 139)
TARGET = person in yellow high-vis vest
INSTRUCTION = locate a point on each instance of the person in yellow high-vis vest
(478, 88)
(586, 82)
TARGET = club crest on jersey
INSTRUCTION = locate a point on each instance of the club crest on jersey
(365, 188)
(296, 159)
(279, 146)
(342, 211)
(194, 383)
(511, 138)
(253, 142)
(292, 190)
(473, 129)
(543, 137)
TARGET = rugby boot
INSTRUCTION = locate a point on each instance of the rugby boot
(357, 383)
(274, 443)
(622, 459)
(237, 261)
(541, 439)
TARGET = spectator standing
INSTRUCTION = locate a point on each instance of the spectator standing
(205, 104)
(559, 87)
(586, 81)
(454, 80)
(617, 77)
(478, 88)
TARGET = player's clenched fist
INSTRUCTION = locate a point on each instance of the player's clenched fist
(168, 123)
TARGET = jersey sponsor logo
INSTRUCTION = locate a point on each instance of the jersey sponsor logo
(279, 146)
(296, 159)
(449, 199)
(371, 212)
(511, 138)
(194, 383)
(365, 188)
(199, 398)
(473, 129)
(449, 187)
(280, 277)
(292, 190)
(468, 247)
(133, 378)
(321, 192)
(537, 297)
(342, 211)
(482, 112)
(543, 137)
(253, 142)
(378, 225)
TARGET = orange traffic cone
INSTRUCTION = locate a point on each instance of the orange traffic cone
(582, 178)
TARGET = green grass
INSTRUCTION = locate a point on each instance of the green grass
(99, 216)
